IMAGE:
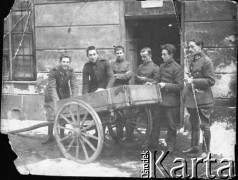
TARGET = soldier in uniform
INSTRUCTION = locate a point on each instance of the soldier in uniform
(202, 78)
(148, 72)
(61, 82)
(123, 73)
(122, 68)
(97, 73)
(171, 83)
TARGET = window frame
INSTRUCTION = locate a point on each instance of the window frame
(24, 43)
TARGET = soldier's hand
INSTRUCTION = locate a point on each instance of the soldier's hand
(99, 89)
(115, 75)
(188, 80)
(162, 85)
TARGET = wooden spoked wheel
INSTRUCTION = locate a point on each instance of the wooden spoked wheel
(78, 131)
(132, 127)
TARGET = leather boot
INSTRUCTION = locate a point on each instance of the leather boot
(194, 143)
(206, 143)
(50, 137)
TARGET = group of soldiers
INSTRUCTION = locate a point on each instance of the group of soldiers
(100, 74)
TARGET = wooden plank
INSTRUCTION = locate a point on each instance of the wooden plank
(224, 59)
(78, 37)
(214, 34)
(79, 13)
(225, 86)
(210, 11)
(133, 8)
(48, 59)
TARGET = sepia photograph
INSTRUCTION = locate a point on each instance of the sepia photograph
(123, 88)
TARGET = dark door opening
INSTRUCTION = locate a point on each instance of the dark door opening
(153, 32)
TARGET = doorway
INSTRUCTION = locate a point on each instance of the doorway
(153, 32)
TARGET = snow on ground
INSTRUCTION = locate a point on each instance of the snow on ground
(65, 167)
(222, 140)
(222, 143)
(13, 124)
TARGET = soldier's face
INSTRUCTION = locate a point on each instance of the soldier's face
(145, 57)
(120, 54)
(64, 63)
(92, 55)
(194, 48)
(166, 56)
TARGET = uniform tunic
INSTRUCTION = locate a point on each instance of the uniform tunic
(59, 83)
(172, 75)
(97, 75)
(202, 71)
(149, 70)
(123, 70)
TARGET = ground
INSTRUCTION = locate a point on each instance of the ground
(114, 161)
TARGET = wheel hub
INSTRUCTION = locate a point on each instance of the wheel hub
(76, 132)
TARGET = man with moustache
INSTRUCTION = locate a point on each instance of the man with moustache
(61, 79)
(97, 73)
(201, 77)
(171, 83)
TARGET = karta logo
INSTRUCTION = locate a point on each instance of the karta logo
(151, 166)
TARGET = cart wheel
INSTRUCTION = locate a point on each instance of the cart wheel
(78, 131)
(133, 127)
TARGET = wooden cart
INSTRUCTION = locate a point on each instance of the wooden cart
(83, 124)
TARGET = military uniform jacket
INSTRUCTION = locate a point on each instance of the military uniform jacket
(123, 70)
(97, 75)
(202, 71)
(58, 84)
(149, 70)
(171, 74)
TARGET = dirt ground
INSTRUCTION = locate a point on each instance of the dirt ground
(114, 161)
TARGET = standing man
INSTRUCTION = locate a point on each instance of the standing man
(148, 72)
(198, 97)
(123, 73)
(97, 73)
(121, 67)
(61, 82)
(171, 83)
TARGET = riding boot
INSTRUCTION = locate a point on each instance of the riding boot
(194, 143)
(50, 137)
(206, 143)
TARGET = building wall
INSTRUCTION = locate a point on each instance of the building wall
(74, 25)
(60, 27)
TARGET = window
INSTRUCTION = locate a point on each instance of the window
(18, 60)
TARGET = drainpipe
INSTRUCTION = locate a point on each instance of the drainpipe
(10, 44)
